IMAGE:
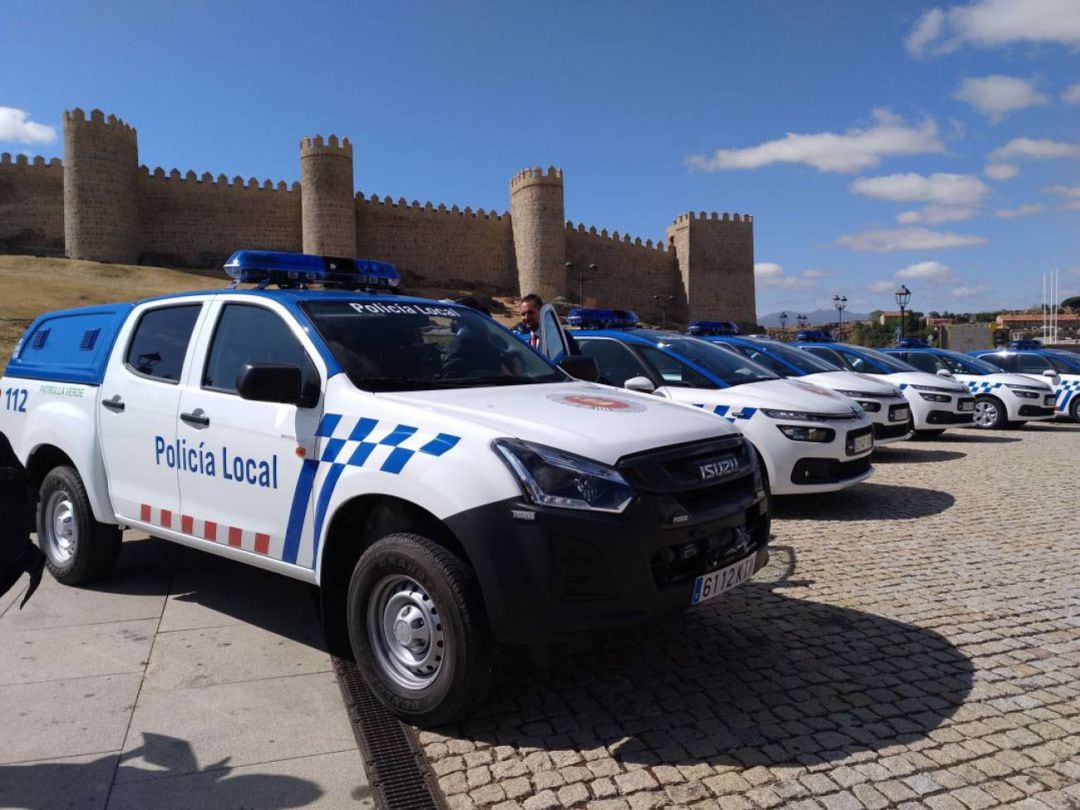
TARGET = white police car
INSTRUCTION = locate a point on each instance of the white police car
(444, 485)
(936, 403)
(811, 440)
(1057, 367)
(883, 402)
(1000, 399)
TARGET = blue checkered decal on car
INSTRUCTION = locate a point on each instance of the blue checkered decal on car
(726, 412)
(982, 387)
(1064, 392)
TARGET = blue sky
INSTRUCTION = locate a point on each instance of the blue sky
(875, 143)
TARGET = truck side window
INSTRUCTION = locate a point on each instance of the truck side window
(160, 341)
(616, 362)
(251, 334)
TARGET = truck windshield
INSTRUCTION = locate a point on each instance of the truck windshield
(389, 345)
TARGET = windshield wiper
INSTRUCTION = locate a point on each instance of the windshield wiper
(398, 384)
(468, 382)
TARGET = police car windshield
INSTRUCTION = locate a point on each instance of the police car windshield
(892, 365)
(388, 345)
(729, 368)
(787, 360)
(965, 364)
(1064, 361)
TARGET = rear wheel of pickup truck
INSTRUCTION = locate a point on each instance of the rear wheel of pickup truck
(78, 549)
(418, 629)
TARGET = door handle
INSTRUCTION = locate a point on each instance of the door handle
(116, 405)
(196, 418)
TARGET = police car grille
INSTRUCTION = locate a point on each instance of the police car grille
(677, 470)
(398, 771)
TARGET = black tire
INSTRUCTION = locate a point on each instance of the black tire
(1074, 408)
(406, 572)
(928, 434)
(78, 549)
(990, 413)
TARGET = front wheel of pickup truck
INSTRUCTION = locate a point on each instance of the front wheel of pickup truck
(78, 549)
(418, 629)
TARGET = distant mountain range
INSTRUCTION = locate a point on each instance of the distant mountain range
(816, 318)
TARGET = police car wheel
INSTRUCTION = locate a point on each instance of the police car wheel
(928, 434)
(989, 413)
(418, 630)
(1074, 409)
(78, 549)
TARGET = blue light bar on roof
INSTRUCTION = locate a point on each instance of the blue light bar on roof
(295, 269)
(1025, 344)
(596, 318)
(700, 328)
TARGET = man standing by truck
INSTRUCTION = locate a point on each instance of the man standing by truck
(18, 555)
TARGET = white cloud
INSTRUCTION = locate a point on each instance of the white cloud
(996, 96)
(940, 188)
(937, 213)
(887, 240)
(1020, 211)
(986, 23)
(769, 274)
(1037, 148)
(15, 125)
(1072, 192)
(1072, 205)
(1071, 94)
(882, 286)
(934, 272)
(973, 291)
(851, 151)
(1001, 171)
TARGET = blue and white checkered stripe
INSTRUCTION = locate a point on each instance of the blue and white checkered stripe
(732, 416)
(982, 387)
(375, 445)
(1064, 392)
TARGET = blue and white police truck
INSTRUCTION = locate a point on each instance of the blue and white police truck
(809, 439)
(444, 485)
(1000, 399)
(882, 401)
(1057, 367)
(936, 403)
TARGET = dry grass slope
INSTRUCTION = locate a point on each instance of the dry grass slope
(35, 285)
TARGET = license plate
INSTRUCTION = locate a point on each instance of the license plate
(715, 583)
(967, 404)
(901, 415)
(861, 443)
(1050, 400)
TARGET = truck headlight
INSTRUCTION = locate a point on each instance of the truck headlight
(551, 477)
(806, 433)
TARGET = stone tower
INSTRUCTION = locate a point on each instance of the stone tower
(536, 213)
(328, 210)
(101, 202)
(715, 255)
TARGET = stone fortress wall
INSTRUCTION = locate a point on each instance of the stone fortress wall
(100, 204)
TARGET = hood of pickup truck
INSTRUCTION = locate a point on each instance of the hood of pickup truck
(594, 421)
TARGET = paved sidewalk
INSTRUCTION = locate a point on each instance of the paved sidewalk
(185, 680)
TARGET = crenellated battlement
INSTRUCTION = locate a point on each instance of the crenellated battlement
(536, 176)
(713, 216)
(624, 239)
(318, 146)
(37, 162)
(428, 207)
(76, 118)
(222, 181)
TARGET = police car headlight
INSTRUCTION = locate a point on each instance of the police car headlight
(802, 416)
(1018, 390)
(935, 397)
(805, 433)
(551, 477)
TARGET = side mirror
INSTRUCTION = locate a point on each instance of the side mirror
(1049, 373)
(641, 384)
(944, 372)
(274, 382)
(580, 366)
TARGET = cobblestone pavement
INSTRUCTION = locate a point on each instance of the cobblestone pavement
(915, 642)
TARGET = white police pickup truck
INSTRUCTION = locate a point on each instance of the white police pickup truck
(444, 485)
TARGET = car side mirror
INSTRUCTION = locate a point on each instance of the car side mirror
(274, 382)
(640, 384)
(580, 366)
(944, 372)
(1049, 373)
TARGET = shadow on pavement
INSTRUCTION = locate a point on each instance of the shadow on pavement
(974, 437)
(755, 678)
(55, 784)
(866, 501)
(1046, 427)
(910, 455)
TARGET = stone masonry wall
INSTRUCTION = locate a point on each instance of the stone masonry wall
(716, 262)
(438, 245)
(31, 205)
(628, 273)
(190, 222)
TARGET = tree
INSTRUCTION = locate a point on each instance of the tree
(1071, 303)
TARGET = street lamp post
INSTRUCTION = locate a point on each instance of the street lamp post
(903, 296)
(802, 321)
(663, 302)
(783, 324)
(840, 302)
